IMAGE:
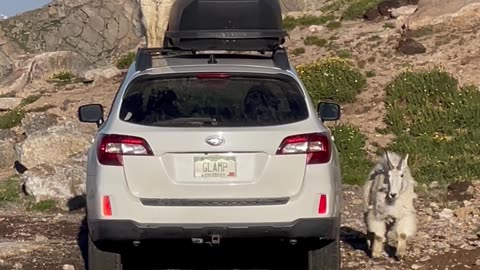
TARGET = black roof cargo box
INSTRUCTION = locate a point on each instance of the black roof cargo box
(238, 25)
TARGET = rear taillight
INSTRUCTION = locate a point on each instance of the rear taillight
(113, 147)
(315, 145)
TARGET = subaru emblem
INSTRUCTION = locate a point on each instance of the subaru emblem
(214, 140)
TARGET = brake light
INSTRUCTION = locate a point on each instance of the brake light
(113, 147)
(315, 145)
(213, 76)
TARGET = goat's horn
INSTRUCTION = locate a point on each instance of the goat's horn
(389, 163)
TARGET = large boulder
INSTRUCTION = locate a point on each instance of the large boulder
(43, 66)
(301, 5)
(459, 13)
(59, 182)
(97, 30)
(38, 121)
(9, 103)
(53, 145)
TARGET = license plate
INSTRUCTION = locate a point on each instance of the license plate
(215, 167)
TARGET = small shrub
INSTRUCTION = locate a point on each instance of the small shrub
(332, 78)
(354, 161)
(344, 54)
(370, 74)
(313, 40)
(357, 8)
(333, 25)
(63, 76)
(298, 51)
(289, 23)
(436, 122)
(126, 60)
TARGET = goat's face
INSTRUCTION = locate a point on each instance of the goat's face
(394, 180)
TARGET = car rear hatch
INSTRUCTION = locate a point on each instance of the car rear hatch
(215, 136)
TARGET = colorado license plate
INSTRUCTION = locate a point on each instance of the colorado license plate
(215, 167)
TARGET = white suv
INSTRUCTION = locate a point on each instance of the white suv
(212, 146)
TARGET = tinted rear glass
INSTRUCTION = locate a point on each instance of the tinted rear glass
(212, 102)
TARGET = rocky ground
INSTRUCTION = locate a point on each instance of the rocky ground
(448, 237)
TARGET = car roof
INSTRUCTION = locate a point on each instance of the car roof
(210, 62)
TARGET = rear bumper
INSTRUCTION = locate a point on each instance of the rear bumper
(126, 230)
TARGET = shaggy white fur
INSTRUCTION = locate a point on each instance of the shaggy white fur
(156, 14)
(388, 203)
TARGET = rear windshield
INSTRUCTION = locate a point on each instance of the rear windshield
(231, 101)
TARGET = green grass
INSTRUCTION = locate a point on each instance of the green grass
(42, 206)
(29, 100)
(333, 25)
(389, 25)
(344, 54)
(9, 190)
(289, 23)
(12, 118)
(8, 95)
(436, 122)
(354, 161)
(126, 60)
(356, 9)
(332, 78)
(370, 74)
(316, 41)
(298, 51)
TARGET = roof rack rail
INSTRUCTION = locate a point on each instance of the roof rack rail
(145, 56)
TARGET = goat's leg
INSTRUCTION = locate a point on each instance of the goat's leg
(405, 228)
(379, 229)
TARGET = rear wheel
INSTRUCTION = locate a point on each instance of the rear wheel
(325, 257)
(101, 260)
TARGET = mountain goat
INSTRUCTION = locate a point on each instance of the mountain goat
(388, 203)
(155, 14)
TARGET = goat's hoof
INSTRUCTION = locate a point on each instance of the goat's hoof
(399, 257)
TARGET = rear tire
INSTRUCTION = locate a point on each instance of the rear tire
(326, 257)
(101, 260)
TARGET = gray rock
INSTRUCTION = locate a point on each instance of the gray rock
(446, 214)
(7, 149)
(9, 103)
(53, 146)
(37, 122)
(102, 73)
(409, 46)
(55, 182)
(372, 14)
